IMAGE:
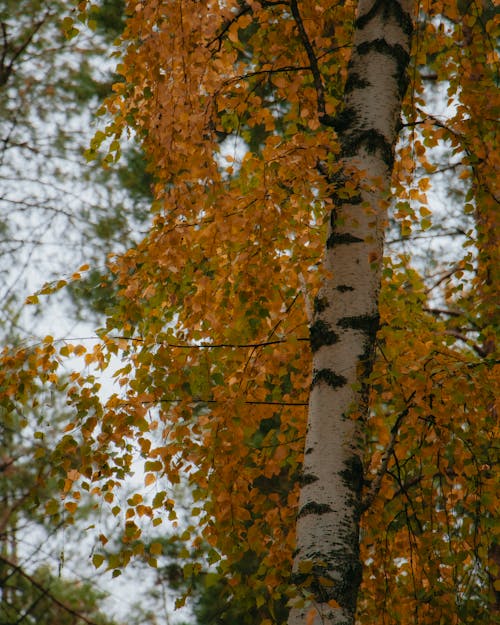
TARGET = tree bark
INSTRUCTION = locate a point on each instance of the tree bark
(327, 565)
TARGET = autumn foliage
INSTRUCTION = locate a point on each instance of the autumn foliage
(231, 103)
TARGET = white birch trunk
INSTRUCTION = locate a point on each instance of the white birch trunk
(345, 319)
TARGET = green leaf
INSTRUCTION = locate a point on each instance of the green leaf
(97, 560)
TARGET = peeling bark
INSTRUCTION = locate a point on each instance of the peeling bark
(346, 318)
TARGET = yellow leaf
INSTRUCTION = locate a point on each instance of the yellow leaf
(424, 211)
(51, 507)
(156, 549)
(71, 506)
(149, 479)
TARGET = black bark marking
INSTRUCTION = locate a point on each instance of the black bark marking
(308, 478)
(314, 580)
(322, 334)
(352, 475)
(366, 323)
(327, 120)
(314, 508)
(343, 288)
(346, 590)
(388, 8)
(328, 377)
(373, 141)
(341, 239)
(346, 118)
(333, 218)
(320, 304)
(343, 587)
(381, 46)
(354, 81)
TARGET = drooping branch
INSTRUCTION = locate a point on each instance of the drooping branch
(376, 483)
(246, 8)
(313, 62)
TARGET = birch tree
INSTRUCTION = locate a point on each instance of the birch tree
(346, 313)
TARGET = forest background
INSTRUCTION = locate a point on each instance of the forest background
(201, 271)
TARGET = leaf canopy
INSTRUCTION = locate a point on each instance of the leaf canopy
(232, 104)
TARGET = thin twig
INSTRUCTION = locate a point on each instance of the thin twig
(227, 25)
(376, 483)
(47, 592)
(210, 345)
(444, 311)
(260, 72)
(313, 61)
(458, 335)
(220, 401)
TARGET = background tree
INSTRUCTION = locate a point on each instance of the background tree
(55, 211)
(211, 319)
(53, 205)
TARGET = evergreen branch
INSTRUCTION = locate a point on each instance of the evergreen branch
(4, 48)
(46, 592)
(6, 70)
(28, 39)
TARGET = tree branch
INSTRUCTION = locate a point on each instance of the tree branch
(444, 311)
(313, 61)
(376, 483)
(210, 345)
(458, 335)
(47, 592)
(248, 402)
(227, 25)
